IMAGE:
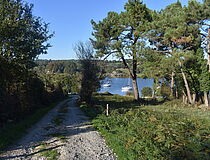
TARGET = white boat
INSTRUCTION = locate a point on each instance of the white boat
(107, 85)
(127, 88)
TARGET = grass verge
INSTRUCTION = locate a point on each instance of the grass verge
(13, 131)
(165, 131)
(48, 153)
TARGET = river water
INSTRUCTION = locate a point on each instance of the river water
(118, 83)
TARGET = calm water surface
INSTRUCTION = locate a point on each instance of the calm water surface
(118, 83)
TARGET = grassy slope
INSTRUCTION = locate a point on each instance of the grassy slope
(13, 131)
(165, 131)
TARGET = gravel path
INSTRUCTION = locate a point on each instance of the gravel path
(64, 133)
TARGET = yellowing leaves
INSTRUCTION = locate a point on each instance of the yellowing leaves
(182, 40)
(153, 119)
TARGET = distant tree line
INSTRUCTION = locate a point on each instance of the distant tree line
(74, 66)
(58, 66)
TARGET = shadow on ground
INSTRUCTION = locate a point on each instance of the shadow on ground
(73, 123)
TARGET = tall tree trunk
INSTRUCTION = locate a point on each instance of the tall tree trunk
(176, 91)
(194, 97)
(172, 84)
(135, 85)
(133, 75)
(206, 99)
(177, 94)
(184, 97)
(135, 89)
(208, 50)
(154, 88)
(186, 84)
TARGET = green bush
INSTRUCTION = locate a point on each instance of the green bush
(164, 91)
(166, 131)
(146, 92)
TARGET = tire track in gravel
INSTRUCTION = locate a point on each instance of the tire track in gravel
(64, 133)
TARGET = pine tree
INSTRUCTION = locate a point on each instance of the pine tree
(122, 35)
(175, 33)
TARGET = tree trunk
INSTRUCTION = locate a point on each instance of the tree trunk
(184, 97)
(186, 85)
(135, 86)
(133, 75)
(176, 91)
(194, 98)
(208, 50)
(135, 89)
(154, 88)
(206, 99)
(172, 84)
(177, 94)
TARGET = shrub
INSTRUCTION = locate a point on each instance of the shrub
(146, 92)
(164, 91)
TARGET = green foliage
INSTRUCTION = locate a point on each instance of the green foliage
(167, 131)
(175, 38)
(204, 76)
(122, 35)
(73, 67)
(164, 91)
(23, 37)
(90, 70)
(58, 66)
(111, 33)
(146, 92)
(64, 82)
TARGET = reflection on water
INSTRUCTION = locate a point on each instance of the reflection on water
(118, 83)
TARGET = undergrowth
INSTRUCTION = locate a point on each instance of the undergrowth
(165, 131)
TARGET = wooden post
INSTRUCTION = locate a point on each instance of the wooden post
(107, 109)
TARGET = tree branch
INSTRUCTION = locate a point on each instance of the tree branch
(109, 54)
(206, 24)
(126, 65)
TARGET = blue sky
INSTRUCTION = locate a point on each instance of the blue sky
(70, 20)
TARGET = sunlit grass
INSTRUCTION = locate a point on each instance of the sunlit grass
(49, 154)
(166, 131)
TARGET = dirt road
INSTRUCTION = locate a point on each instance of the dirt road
(64, 133)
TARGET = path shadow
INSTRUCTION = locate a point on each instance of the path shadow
(74, 123)
(30, 154)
